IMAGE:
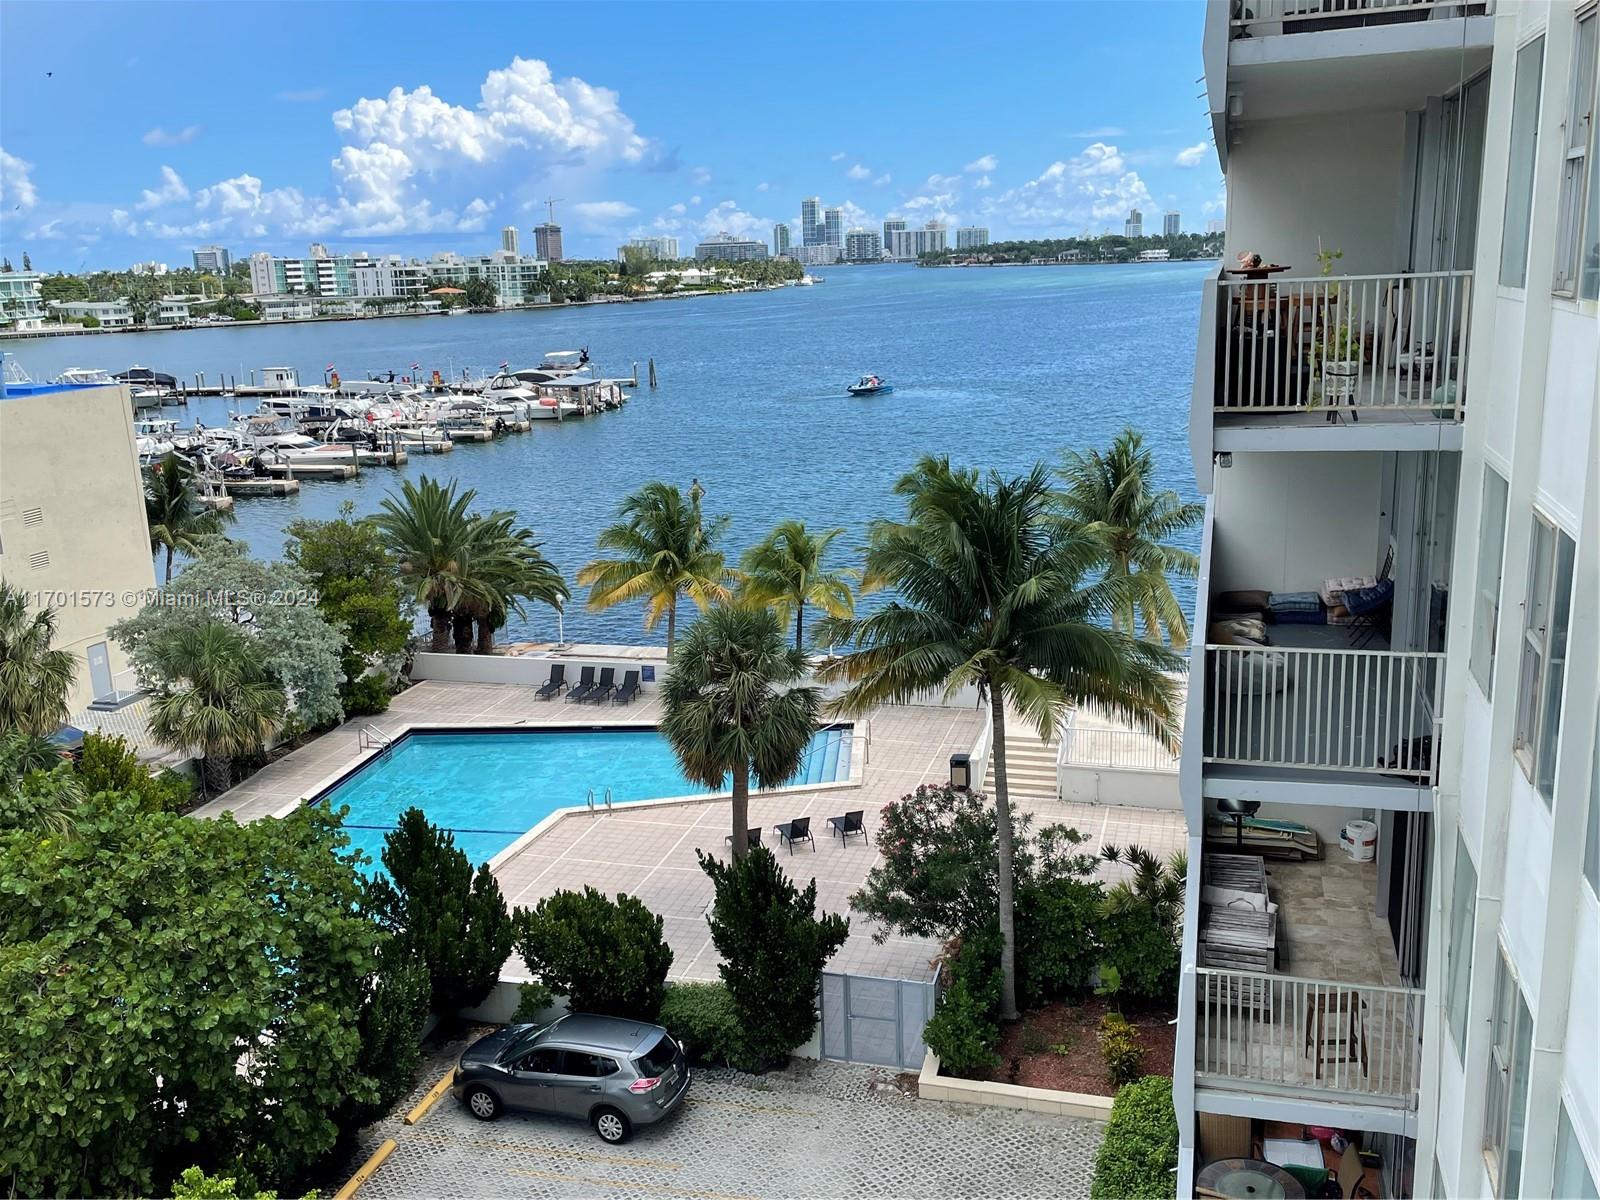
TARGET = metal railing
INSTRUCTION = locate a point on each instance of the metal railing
(1112, 749)
(1348, 343)
(369, 737)
(1370, 711)
(1308, 1035)
(1296, 16)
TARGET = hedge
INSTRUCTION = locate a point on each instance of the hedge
(1138, 1157)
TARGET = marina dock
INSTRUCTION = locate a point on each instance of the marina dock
(261, 487)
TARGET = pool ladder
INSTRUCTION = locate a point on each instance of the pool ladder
(371, 738)
(606, 799)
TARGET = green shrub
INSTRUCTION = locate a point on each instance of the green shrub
(533, 999)
(605, 956)
(1144, 954)
(1119, 1046)
(1139, 1154)
(366, 696)
(963, 1031)
(108, 764)
(773, 945)
(1058, 921)
(390, 1023)
(701, 1016)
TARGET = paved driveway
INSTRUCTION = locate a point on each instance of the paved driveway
(818, 1130)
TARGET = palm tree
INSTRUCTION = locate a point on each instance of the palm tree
(428, 529)
(992, 591)
(784, 571)
(732, 704)
(34, 679)
(662, 548)
(502, 568)
(173, 510)
(214, 697)
(1113, 497)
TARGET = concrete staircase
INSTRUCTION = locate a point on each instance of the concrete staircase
(1030, 763)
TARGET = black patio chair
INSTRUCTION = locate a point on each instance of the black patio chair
(584, 686)
(628, 689)
(603, 689)
(848, 824)
(752, 836)
(552, 686)
(797, 830)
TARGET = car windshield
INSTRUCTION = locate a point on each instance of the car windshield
(520, 1045)
(658, 1058)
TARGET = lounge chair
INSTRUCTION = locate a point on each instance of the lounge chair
(628, 690)
(604, 688)
(753, 837)
(552, 686)
(849, 823)
(797, 830)
(584, 686)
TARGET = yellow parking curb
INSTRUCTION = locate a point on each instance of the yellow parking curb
(435, 1093)
(355, 1182)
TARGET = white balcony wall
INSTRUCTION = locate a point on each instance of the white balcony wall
(1287, 522)
(1579, 1076)
(1527, 892)
(1568, 410)
(1475, 745)
(1334, 178)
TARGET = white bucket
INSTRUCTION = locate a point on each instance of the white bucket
(1359, 839)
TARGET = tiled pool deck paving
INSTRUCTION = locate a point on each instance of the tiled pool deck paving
(650, 851)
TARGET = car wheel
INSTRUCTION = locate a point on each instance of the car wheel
(483, 1104)
(612, 1126)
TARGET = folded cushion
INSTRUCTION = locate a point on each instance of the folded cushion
(1333, 589)
(1237, 630)
(1294, 616)
(1241, 601)
(1282, 602)
(1361, 601)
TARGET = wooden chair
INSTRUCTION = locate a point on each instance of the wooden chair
(1336, 1030)
(1351, 1173)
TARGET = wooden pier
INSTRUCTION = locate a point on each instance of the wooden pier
(305, 470)
(261, 487)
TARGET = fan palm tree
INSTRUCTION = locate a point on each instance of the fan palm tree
(503, 567)
(732, 704)
(34, 679)
(214, 697)
(428, 529)
(661, 548)
(173, 510)
(994, 592)
(785, 572)
(1113, 497)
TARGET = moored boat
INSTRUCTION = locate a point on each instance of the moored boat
(870, 385)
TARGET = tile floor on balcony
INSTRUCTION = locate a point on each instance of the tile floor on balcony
(1327, 923)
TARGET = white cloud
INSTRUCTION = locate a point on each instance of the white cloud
(859, 172)
(979, 166)
(763, 186)
(937, 181)
(178, 137)
(730, 218)
(1191, 156)
(701, 175)
(17, 191)
(836, 156)
(171, 191)
(678, 209)
(694, 201)
(48, 231)
(882, 179)
(1217, 204)
(982, 182)
(604, 211)
(1091, 187)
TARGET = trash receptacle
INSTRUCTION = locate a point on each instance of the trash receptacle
(961, 771)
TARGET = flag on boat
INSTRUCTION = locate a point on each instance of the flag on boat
(329, 367)
(415, 366)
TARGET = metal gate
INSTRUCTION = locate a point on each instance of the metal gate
(870, 1020)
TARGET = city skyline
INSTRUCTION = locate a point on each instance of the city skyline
(443, 154)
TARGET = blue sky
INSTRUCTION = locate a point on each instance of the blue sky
(136, 131)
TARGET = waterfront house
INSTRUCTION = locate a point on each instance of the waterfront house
(286, 308)
(21, 306)
(112, 314)
(1389, 771)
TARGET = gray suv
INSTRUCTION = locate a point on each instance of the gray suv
(608, 1071)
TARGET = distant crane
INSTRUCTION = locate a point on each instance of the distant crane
(550, 203)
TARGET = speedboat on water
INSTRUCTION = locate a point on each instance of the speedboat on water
(870, 385)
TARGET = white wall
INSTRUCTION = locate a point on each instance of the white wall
(1568, 410)
(1286, 522)
(1580, 1075)
(1109, 785)
(1336, 178)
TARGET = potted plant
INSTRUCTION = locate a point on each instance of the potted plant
(1339, 353)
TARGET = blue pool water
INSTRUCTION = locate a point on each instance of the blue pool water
(489, 789)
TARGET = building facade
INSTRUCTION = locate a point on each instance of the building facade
(1134, 226)
(1169, 224)
(863, 245)
(780, 240)
(111, 314)
(509, 240)
(727, 248)
(215, 259)
(1392, 792)
(659, 249)
(518, 280)
(811, 221)
(833, 227)
(907, 245)
(322, 274)
(547, 242)
(21, 305)
(816, 256)
(970, 237)
(892, 226)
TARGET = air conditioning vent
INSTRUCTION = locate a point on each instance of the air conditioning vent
(32, 517)
(39, 559)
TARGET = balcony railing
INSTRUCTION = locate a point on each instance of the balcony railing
(1349, 344)
(1369, 711)
(1355, 1040)
(1258, 17)
(1113, 750)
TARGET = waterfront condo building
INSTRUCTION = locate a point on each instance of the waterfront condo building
(547, 242)
(658, 249)
(21, 305)
(1169, 224)
(811, 221)
(909, 244)
(215, 259)
(1389, 772)
(892, 226)
(727, 248)
(833, 227)
(863, 245)
(517, 279)
(780, 240)
(1134, 226)
(971, 237)
(509, 240)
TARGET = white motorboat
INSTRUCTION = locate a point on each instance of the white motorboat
(84, 377)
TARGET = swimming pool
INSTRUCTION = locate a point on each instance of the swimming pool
(489, 787)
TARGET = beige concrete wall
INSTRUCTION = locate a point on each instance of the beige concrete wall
(72, 524)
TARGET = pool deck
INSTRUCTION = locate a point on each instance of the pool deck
(649, 850)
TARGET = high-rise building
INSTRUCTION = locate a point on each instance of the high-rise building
(1169, 224)
(1393, 812)
(910, 244)
(547, 242)
(892, 226)
(863, 245)
(727, 248)
(780, 240)
(660, 249)
(508, 239)
(833, 227)
(318, 250)
(970, 237)
(811, 221)
(1215, 226)
(1134, 226)
(214, 259)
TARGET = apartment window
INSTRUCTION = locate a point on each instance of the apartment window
(1589, 280)
(1544, 654)
(1458, 952)
(1505, 1118)
(1491, 550)
(1519, 183)
(1573, 1180)
(1576, 130)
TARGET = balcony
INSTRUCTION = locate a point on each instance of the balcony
(1263, 18)
(1101, 760)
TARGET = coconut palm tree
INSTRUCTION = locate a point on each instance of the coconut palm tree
(993, 592)
(503, 567)
(732, 705)
(661, 548)
(1113, 497)
(34, 679)
(173, 510)
(214, 697)
(428, 529)
(785, 572)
